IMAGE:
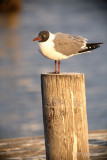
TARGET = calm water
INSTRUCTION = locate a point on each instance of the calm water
(21, 64)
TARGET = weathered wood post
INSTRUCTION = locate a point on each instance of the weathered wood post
(64, 116)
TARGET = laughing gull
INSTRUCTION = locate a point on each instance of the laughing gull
(60, 46)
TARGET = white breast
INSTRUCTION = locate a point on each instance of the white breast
(47, 49)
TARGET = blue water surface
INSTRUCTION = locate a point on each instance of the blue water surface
(21, 63)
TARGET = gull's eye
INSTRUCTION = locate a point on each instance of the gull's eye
(44, 36)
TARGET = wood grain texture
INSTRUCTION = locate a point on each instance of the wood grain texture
(29, 148)
(33, 148)
(64, 116)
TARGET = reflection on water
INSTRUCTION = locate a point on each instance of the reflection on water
(21, 64)
(9, 22)
(10, 13)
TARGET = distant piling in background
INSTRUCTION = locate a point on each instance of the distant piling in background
(64, 116)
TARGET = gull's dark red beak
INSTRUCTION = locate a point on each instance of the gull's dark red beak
(37, 39)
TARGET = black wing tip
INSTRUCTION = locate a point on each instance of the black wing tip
(101, 43)
(91, 46)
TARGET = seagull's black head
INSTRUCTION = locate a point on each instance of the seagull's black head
(42, 36)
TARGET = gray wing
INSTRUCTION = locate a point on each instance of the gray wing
(68, 45)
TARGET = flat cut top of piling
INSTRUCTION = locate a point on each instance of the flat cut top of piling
(62, 74)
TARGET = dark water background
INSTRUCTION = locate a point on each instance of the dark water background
(21, 64)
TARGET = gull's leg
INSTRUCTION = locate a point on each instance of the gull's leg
(55, 66)
(59, 66)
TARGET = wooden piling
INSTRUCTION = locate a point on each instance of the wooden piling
(64, 116)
